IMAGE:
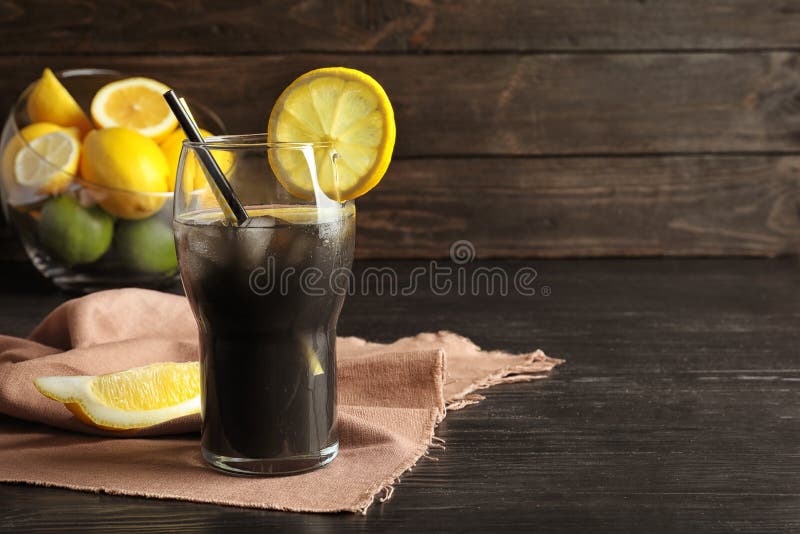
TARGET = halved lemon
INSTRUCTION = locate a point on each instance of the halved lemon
(17, 143)
(136, 398)
(349, 112)
(50, 101)
(49, 162)
(135, 103)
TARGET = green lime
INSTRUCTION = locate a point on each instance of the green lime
(147, 245)
(72, 233)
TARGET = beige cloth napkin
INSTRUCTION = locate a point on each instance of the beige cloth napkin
(391, 398)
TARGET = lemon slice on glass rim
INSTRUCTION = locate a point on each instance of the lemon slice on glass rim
(346, 111)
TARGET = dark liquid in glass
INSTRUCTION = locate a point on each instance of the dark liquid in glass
(267, 337)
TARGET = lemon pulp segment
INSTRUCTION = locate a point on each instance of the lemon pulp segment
(349, 115)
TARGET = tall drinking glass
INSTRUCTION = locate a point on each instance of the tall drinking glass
(265, 304)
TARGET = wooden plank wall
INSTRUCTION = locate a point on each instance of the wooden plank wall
(536, 128)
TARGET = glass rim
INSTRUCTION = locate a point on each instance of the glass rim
(252, 141)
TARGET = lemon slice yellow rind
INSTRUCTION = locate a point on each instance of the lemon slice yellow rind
(348, 114)
(135, 103)
(49, 163)
(81, 398)
(50, 101)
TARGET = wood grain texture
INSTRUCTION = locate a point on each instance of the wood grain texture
(250, 26)
(475, 105)
(676, 409)
(533, 129)
(558, 207)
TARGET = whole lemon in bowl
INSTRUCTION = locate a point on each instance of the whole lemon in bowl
(193, 175)
(126, 172)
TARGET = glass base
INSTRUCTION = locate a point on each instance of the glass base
(287, 465)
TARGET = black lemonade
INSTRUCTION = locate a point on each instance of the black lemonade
(267, 313)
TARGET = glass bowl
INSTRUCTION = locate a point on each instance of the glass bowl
(91, 237)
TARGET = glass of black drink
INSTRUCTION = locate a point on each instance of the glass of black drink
(266, 296)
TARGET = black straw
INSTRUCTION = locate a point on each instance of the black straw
(192, 132)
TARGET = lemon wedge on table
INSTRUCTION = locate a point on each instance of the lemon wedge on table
(350, 112)
(50, 101)
(136, 398)
(49, 163)
(135, 103)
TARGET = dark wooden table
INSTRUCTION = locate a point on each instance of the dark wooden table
(677, 410)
